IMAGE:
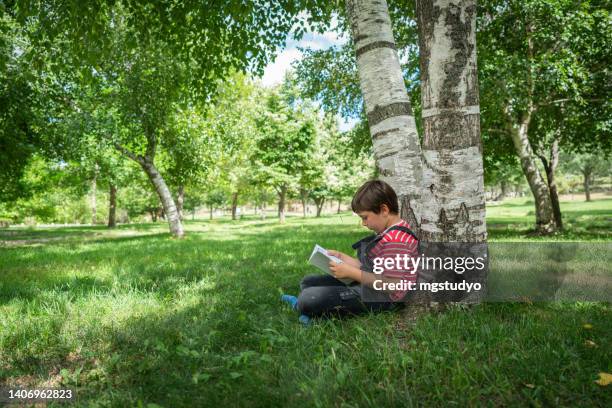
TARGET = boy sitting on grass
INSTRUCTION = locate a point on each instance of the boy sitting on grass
(323, 295)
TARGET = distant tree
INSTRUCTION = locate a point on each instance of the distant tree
(155, 55)
(542, 69)
(589, 165)
(285, 145)
(215, 199)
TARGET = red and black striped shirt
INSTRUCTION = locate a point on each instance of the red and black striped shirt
(395, 243)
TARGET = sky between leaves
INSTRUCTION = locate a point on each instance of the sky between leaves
(275, 70)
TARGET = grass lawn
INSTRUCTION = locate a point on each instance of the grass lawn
(131, 317)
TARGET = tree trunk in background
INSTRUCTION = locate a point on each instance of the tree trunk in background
(180, 199)
(94, 190)
(339, 203)
(392, 127)
(263, 211)
(169, 208)
(319, 203)
(112, 206)
(281, 203)
(453, 193)
(234, 204)
(504, 191)
(545, 221)
(304, 199)
(147, 164)
(587, 184)
(211, 212)
(550, 165)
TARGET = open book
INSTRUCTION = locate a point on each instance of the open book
(320, 258)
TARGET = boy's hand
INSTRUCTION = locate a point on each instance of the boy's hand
(342, 270)
(345, 258)
(337, 254)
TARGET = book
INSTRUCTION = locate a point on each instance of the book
(321, 258)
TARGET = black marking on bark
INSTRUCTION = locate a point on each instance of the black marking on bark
(427, 15)
(463, 215)
(455, 229)
(385, 172)
(360, 37)
(460, 35)
(452, 131)
(373, 46)
(386, 155)
(407, 214)
(384, 132)
(380, 113)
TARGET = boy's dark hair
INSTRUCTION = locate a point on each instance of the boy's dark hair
(372, 195)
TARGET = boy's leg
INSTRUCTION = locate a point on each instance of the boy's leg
(319, 280)
(329, 300)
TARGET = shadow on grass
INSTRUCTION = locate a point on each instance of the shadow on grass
(204, 327)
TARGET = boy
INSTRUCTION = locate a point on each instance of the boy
(377, 205)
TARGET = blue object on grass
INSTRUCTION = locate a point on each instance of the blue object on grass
(305, 320)
(291, 300)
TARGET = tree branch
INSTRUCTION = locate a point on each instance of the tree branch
(505, 132)
(137, 158)
(557, 101)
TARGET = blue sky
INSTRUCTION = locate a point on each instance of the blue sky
(275, 71)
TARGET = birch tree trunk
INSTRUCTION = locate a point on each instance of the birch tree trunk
(545, 222)
(392, 127)
(112, 206)
(452, 149)
(519, 132)
(169, 208)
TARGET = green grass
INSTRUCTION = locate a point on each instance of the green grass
(583, 221)
(132, 316)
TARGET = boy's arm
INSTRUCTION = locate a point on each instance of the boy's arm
(345, 270)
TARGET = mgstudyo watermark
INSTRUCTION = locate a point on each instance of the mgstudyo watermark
(498, 272)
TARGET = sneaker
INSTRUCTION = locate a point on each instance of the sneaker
(290, 300)
(305, 320)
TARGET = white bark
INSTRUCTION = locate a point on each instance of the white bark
(148, 165)
(453, 182)
(545, 222)
(392, 126)
(172, 215)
